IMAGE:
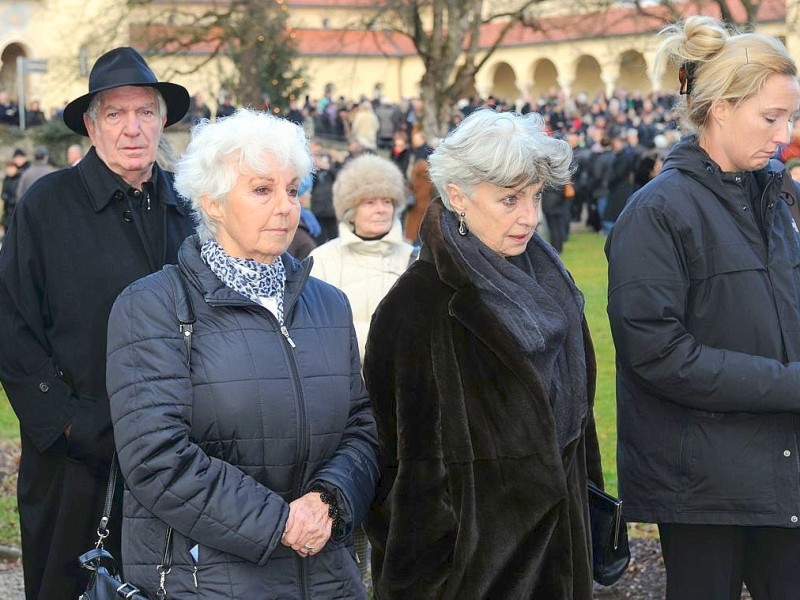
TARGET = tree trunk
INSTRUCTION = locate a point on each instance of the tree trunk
(248, 90)
(436, 105)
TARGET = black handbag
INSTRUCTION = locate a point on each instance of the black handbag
(610, 551)
(105, 583)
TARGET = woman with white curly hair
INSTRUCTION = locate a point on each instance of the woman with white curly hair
(481, 374)
(256, 445)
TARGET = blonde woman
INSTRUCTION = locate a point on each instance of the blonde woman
(704, 303)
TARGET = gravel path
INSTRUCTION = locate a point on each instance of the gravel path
(644, 579)
(11, 587)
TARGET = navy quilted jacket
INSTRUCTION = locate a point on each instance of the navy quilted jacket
(219, 450)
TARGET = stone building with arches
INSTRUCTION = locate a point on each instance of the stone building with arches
(568, 53)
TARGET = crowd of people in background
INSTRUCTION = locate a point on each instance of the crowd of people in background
(619, 143)
(10, 112)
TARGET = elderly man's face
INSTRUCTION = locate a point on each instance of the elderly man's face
(127, 131)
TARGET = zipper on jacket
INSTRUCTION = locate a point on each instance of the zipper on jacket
(302, 420)
(303, 586)
(766, 210)
(285, 333)
(194, 553)
(302, 433)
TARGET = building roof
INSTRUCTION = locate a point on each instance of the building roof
(610, 23)
(327, 42)
(335, 3)
(358, 42)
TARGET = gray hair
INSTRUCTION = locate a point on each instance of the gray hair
(506, 149)
(97, 100)
(220, 151)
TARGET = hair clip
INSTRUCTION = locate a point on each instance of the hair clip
(686, 77)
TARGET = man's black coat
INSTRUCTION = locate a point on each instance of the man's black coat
(75, 242)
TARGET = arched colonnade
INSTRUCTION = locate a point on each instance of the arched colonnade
(514, 77)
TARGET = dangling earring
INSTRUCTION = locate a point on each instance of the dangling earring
(462, 224)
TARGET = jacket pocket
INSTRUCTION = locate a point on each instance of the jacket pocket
(726, 463)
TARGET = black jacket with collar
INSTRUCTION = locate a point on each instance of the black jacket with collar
(704, 304)
(72, 247)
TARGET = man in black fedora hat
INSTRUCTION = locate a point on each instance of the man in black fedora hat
(79, 238)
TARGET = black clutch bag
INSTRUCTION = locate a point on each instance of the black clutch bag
(610, 551)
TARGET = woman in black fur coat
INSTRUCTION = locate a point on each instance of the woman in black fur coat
(481, 373)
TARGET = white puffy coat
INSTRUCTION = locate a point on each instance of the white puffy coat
(363, 270)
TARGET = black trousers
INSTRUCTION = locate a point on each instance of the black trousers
(710, 562)
(60, 504)
(556, 228)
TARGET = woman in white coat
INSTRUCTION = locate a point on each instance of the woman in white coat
(370, 253)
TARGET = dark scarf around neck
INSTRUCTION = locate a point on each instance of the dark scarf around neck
(534, 297)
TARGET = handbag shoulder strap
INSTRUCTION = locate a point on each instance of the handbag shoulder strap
(102, 528)
(183, 305)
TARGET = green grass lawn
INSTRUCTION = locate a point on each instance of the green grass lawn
(584, 257)
(9, 517)
(9, 426)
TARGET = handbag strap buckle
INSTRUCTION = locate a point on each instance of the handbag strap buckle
(102, 533)
(126, 590)
(163, 571)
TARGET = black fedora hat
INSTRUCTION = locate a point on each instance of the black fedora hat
(120, 67)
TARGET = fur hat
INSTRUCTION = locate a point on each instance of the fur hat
(365, 177)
